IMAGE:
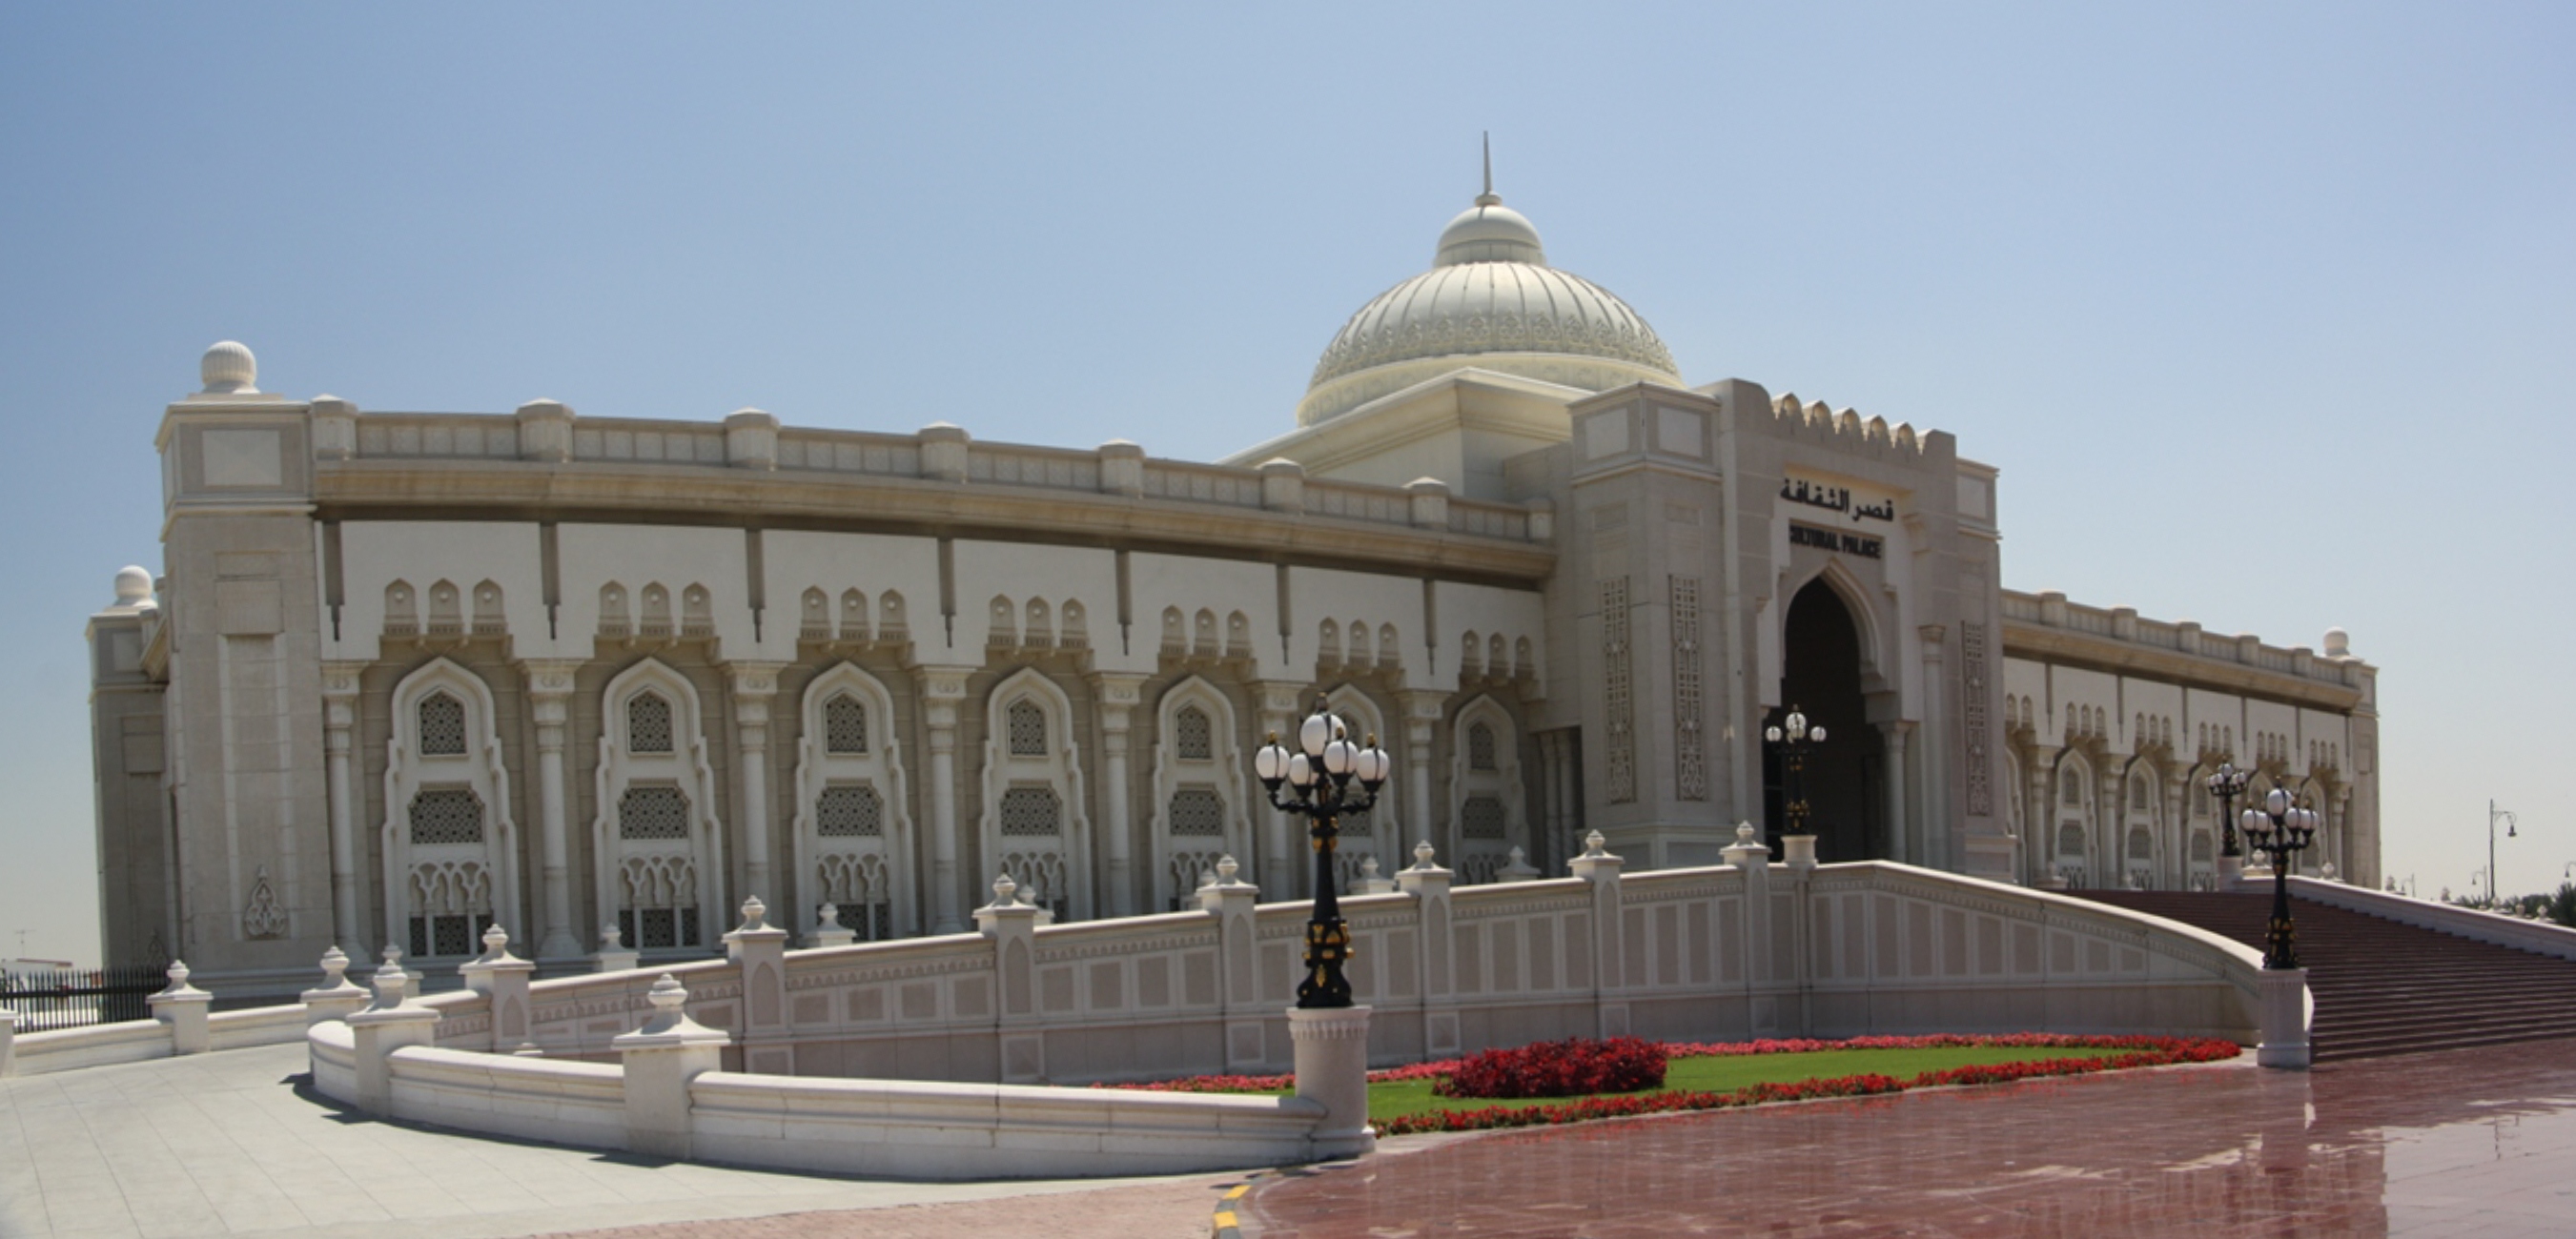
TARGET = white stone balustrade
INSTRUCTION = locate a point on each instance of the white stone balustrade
(337, 998)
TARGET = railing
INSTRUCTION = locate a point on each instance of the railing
(77, 998)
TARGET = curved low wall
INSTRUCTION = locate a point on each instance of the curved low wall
(910, 1129)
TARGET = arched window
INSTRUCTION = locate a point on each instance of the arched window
(1027, 728)
(442, 726)
(2137, 793)
(2142, 846)
(845, 725)
(2200, 847)
(2070, 787)
(1481, 817)
(1480, 747)
(2070, 840)
(648, 723)
(1192, 738)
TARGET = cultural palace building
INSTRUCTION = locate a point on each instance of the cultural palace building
(409, 674)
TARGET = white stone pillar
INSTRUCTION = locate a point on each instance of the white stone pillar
(390, 1023)
(2039, 818)
(1600, 870)
(502, 978)
(550, 686)
(338, 998)
(2285, 1019)
(1903, 836)
(1423, 710)
(1117, 696)
(941, 692)
(1428, 883)
(182, 1009)
(1332, 1071)
(660, 1059)
(8, 1043)
(1280, 712)
(1020, 1039)
(754, 685)
(339, 721)
(1753, 860)
(759, 949)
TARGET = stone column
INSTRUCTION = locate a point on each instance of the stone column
(182, 1008)
(1281, 708)
(1118, 695)
(550, 686)
(339, 724)
(1753, 860)
(941, 692)
(1600, 870)
(1935, 829)
(660, 1059)
(2039, 817)
(1904, 831)
(8, 1043)
(390, 1023)
(338, 998)
(1428, 883)
(1231, 901)
(1423, 710)
(1332, 1071)
(2285, 1019)
(1011, 926)
(502, 978)
(755, 685)
(759, 949)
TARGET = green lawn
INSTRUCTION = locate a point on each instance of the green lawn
(1718, 1073)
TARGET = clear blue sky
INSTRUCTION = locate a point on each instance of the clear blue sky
(2263, 310)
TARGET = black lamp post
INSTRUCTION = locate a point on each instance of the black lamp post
(2227, 785)
(1792, 735)
(1318, 781)
(2279, 830)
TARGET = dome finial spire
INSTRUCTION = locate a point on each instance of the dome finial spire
(1489, 197)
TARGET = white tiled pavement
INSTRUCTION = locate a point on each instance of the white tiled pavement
(226, 1144)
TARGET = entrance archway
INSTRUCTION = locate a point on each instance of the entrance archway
(1820, 674)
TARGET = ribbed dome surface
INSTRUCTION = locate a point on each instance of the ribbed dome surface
(1490, 296)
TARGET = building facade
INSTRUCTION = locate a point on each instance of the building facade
(410, 674)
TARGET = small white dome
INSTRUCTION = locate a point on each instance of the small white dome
(1489, 232)
(229, 368)
(133, 586)
(2338, 643)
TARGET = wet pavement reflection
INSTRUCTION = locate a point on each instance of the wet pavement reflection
(2462, 1142)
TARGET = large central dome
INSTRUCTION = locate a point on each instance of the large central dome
(1489, 300)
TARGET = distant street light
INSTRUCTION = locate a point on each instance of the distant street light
(1792, 735)
(2228, 784)
(2509, 823)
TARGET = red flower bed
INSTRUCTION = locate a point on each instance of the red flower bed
(1574, 1067)
(2141, 1052)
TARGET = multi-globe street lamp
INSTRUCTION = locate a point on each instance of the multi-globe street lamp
(1317, 778)
(1792, 736)
(2228, 784)
(2279, 829)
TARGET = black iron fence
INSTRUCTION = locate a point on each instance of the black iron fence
(76, 997)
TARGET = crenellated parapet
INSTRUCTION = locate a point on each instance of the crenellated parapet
(1844, 427)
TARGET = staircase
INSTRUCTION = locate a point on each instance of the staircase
(2385, 988)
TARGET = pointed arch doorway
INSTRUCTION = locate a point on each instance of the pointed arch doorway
(1821, 675)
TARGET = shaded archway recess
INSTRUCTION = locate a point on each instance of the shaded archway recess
(1820, 672)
